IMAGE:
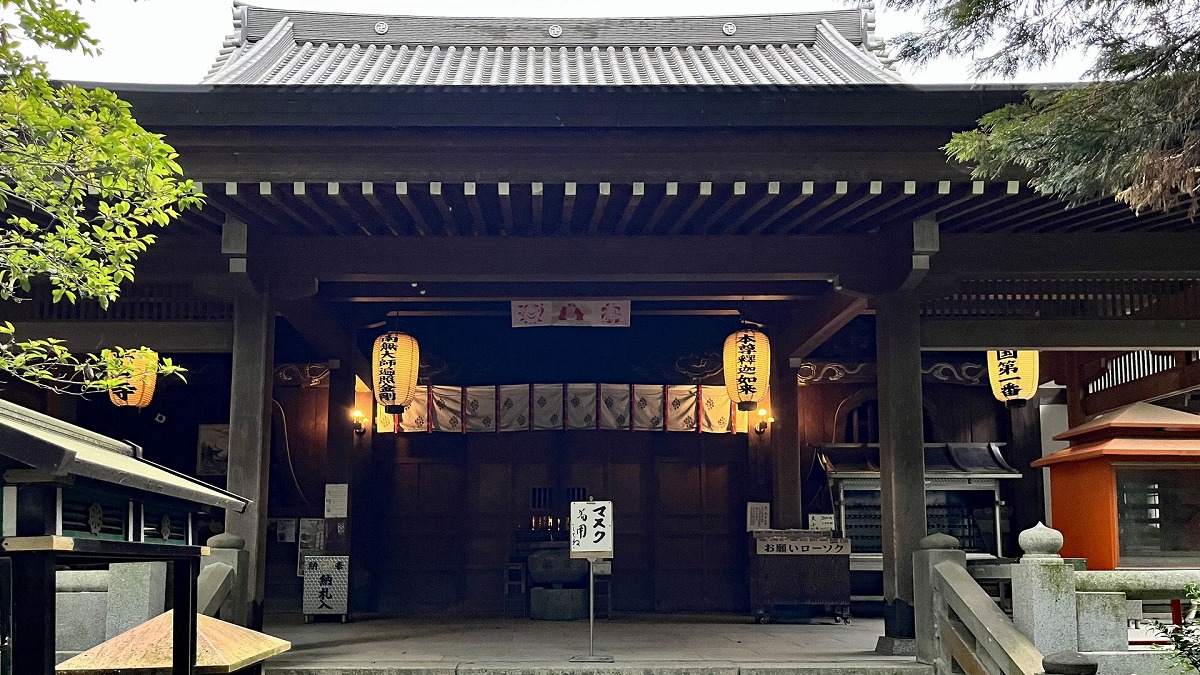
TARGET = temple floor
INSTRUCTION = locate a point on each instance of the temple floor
(642, 644)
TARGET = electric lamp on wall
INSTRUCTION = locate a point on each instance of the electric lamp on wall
(747, 365)
(1014, 375)
(764, 421)
(137, 390)
(394, 363)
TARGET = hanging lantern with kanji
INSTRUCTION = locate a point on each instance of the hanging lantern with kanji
(747, 361)
(1014, 375)
(394, 363)
(137, 390)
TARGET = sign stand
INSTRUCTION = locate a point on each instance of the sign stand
(592, 657)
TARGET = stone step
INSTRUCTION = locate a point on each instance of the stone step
(867, 667)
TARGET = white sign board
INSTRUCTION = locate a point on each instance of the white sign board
(326, 584)
(337, 500)
(758, 516)
(767, 546)
(821, 521)
(591, 529)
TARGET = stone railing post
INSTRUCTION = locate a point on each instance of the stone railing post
(1043, 590)
(932, 550)
(1069, 663)
(231, 550)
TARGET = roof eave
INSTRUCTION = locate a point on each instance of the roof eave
(882, 105)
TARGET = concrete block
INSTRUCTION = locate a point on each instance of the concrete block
(75, 581)
(213, 586)
(1043, 594)
(558, 604)
(1102, 622)
(236, 608)
(1142, 662)
(79, 624)
(137, 593)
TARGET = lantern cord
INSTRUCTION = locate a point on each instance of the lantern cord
(287, 451)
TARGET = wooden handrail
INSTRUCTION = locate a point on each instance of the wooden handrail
(993, 635)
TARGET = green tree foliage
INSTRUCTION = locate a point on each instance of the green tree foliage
(1185, 639)
(81, 186)
(1132, 131)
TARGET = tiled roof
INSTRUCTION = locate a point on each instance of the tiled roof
(282, 47)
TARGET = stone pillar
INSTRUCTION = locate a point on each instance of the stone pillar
(231, 550)
(1043, 590)
(901, 458)
(934, 549)
(250, 435)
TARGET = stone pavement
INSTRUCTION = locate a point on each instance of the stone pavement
(641, 645)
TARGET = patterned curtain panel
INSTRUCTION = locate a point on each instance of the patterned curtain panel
(581, 406)
(416, 415)
(555, 407)
(682, 407)
(480, 405)
(447, 408)
(548, 407)
(649, 401)
(614, 407)
(716, 410)
(515, 414)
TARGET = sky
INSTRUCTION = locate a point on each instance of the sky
(175, 41)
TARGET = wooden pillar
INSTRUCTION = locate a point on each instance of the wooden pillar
(33, 613)
(183, 622)
(1025, 497)
(341, 447)
(785, 444)
(901, 455)
(250, 436)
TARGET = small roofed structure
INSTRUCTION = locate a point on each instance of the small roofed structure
(71, 496)
(221, 648)
(289, 47)
(1123, 494)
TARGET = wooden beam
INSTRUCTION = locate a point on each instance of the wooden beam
(1073, 334)
(769, 199)
(705, 191)
(1184, 377)
(637, 193)
(670, 193)
(806, 191)
(436, 194)
(414, 211)
(318, 325)
(720, 291)
(833, 313)
(504, 192)
(169, 337)
(640, 258)
(478, 223)
(1147, 255)
(709, 225)
(568, 207)
(602, 200)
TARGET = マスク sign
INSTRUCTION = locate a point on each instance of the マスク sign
(591, 529)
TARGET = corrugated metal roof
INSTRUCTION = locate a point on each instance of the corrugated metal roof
(274, 46)
(52, 445)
